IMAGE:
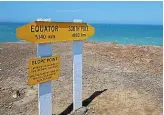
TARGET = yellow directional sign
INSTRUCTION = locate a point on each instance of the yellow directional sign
(45, 32)
(43, 69)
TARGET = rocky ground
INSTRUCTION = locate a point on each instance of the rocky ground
(117, 79)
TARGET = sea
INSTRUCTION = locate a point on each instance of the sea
(117, 33)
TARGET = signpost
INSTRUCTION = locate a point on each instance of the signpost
(47, 67)
(46, 32)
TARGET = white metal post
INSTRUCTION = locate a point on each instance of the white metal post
(77, 74)
(44, 89)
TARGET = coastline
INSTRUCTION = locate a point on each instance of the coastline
(93, 42)
(131, 74)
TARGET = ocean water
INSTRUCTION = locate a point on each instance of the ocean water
(122, 34)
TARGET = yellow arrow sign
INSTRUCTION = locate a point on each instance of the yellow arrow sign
(45, 32)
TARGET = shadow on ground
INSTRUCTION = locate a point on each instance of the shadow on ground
(86, 102)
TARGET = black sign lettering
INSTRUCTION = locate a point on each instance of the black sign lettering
(56, 28)
(32, 28)
(38, 61)
(37, 28)
(43, 28)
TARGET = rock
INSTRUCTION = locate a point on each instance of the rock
(80, 111)
(16, 94)
(151, 61)
(10, 107)
(1, 105)
(10, 103)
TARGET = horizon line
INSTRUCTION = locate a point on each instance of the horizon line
(87, 22)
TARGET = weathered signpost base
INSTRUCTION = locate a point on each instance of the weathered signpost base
(44, 89)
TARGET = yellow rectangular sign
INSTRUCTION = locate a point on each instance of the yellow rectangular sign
(43, 69)
(46, 32)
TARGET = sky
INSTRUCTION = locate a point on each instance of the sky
(92, 12)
